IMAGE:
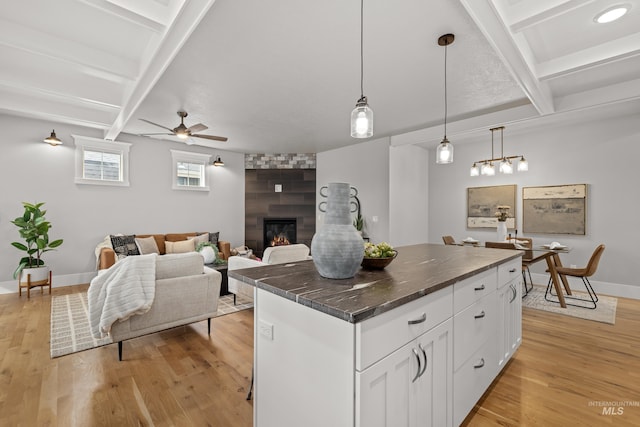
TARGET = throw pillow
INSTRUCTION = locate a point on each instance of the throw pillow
(180, 247)
(213, 238)
(147, 245)
(209, 254)
(201, 238)
(124, 245)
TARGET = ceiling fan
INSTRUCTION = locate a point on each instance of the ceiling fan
(183, 132)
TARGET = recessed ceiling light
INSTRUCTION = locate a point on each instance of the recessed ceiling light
(611, 14)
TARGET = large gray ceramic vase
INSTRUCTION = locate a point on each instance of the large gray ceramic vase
(337, 248)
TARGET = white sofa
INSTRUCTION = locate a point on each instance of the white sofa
(186, 292)
(272, 255)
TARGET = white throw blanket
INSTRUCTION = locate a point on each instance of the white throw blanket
(125, 289)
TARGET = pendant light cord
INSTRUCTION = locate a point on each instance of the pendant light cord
(361, 49)
(445, 90)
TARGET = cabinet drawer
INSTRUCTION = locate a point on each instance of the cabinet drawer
(473, 327)
(383, 334)
(509, 271)
(472, 379)
(473, 289)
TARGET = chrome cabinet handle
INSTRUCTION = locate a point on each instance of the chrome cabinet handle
(415, 352)
(479, 288)
(480, 316)
(424, 353)
(479, 365)
(513, 270)
(418, 320)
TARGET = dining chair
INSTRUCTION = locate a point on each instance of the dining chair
(525, 265)
(526, 242)
(584, 274)
(449, 240)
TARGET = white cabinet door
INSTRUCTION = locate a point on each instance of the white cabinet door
(413, 386)
(434, 388)
(509, 321)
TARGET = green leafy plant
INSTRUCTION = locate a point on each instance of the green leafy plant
(217, 259)
(34, 229)
(381, 250)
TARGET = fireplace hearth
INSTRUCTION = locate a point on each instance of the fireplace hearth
(279, 231)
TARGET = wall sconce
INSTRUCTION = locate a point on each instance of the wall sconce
(53, 139)
(218, 162)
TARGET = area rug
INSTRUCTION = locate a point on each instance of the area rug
(605, 311)
(70, 331)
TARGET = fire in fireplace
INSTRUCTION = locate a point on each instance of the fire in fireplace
(279, 231)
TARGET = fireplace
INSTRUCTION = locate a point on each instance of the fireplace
(279, 231)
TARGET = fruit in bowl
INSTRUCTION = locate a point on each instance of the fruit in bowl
(377, 257)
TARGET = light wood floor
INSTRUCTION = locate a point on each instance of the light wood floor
(182, 377)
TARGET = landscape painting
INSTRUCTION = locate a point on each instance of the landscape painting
(483, 202)
(559, 209)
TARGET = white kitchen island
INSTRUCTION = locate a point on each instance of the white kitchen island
(416, 344)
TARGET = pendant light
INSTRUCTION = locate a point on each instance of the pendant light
(444, 154)
(53, 139)
(505, 162)
(362, 115)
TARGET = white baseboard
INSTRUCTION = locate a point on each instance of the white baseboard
(58, 281)
(605, 288)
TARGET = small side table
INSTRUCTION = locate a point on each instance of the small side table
(223, 269)
(29, 284)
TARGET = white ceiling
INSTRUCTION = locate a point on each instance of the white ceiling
(283, 76)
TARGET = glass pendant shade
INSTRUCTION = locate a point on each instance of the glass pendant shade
(506, 166)
(489, 169)
(523, 165)
(475, 171)
(362, 120)
(444, 154)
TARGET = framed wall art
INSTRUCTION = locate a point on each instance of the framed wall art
(483, 202)
(556, 209)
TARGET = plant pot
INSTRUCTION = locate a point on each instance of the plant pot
(38, 275)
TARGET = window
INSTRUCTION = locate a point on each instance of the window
(189, 170)
(101, 162)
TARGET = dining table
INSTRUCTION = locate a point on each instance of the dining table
(552, 258)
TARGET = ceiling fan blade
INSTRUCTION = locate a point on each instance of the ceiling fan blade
(151, 134)
(197, 128)
(215, 138)
(155, 124)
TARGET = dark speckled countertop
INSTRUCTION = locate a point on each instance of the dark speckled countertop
(417, 271)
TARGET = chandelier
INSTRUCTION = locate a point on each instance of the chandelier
(505, 163)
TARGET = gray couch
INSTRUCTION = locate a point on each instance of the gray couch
(186, 292)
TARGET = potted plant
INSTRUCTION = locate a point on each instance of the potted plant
(34, 229)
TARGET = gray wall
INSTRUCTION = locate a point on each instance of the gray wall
(364, 166)
(82, 215)
(601, 153)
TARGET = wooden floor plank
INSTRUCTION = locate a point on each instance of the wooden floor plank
(565, 368)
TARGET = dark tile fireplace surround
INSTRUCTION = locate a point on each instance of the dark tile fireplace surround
(293, 207)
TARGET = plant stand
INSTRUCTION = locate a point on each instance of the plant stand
(29, 284)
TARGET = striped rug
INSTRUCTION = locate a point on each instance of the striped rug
(70, 331)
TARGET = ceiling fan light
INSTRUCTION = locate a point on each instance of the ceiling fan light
(53, 139)
(362, 119)
(523, 165)
(475, 171)
(612, 14)
(444, 153)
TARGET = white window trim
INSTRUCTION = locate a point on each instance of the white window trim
(85, 142)
(189, 157)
